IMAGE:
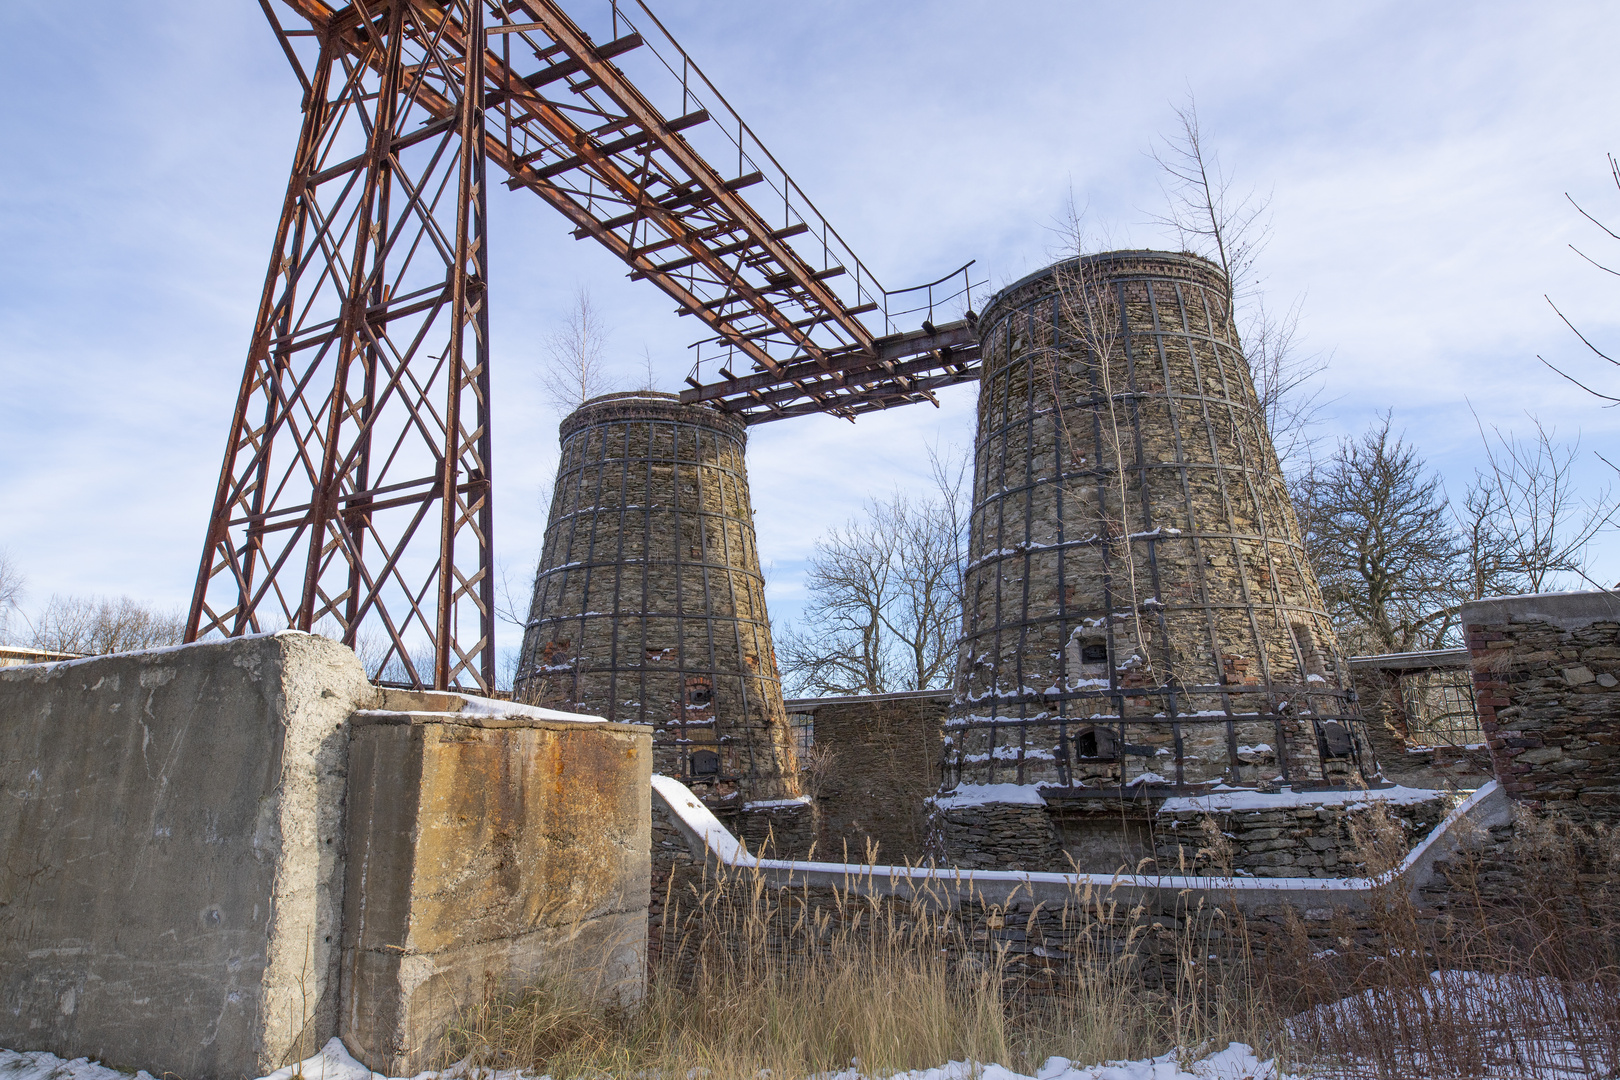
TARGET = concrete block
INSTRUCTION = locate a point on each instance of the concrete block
(171, 853)
(487, 853)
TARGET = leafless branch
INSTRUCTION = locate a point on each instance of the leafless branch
(574, 370)
(1204, 211)
(12, 586)
(94, 626)
(1209, 218)
(1564, 374)
(1546, 527)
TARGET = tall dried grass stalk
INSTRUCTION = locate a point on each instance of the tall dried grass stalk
(1513, 970)
(800, 982)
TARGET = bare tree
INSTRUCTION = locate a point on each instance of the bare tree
(1545, 528)
(1490, 567)
(1378, 529)
(885, 596)
(649, 373)
(1209, 216)
(1614, 172)
(1206, 213)
(574, 370)
(844, 650)
(12, 585)
(94, 626)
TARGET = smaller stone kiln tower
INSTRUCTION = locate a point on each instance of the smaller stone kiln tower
(1139, 607)
(649, 606)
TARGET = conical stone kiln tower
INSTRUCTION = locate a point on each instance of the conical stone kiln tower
(649, 605)
(1140, 614)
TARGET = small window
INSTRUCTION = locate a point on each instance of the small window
(1336, 741)
(1094, 654)
(705, 763)
(1095, 744)
(1440, 708)
(699, 694)
(803, 726)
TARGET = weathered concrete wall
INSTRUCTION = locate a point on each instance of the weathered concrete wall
(878, 761)
(1547, 675)
(203, 874)
(487, 853)
(171, 853)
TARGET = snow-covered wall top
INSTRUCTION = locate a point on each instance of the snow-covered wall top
(712, 840)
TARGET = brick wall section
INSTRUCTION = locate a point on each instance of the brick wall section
(1547, 676)
(882, 755)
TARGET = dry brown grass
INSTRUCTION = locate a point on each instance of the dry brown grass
(801, 983)
(796, 982)
(1524, 985)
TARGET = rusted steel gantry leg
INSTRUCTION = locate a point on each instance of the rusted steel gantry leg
(368, 371)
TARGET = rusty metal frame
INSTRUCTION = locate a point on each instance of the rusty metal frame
(364, 406)
(362, 423)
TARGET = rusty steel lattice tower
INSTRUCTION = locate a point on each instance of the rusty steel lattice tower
(649, 605)
(1138, 602)
(355, 493)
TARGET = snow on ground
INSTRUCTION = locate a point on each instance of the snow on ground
(1236, 1062)
(1513, 1027)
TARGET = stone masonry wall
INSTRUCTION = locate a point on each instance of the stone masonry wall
(1036, 931)
(1547, 675)
(877, 763)
(1295, 836)
(996, 836)
(1284, 841)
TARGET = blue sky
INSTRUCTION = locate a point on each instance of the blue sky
(1418, 157)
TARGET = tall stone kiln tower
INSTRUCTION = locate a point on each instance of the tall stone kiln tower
(1139, 608)
(649, 606)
